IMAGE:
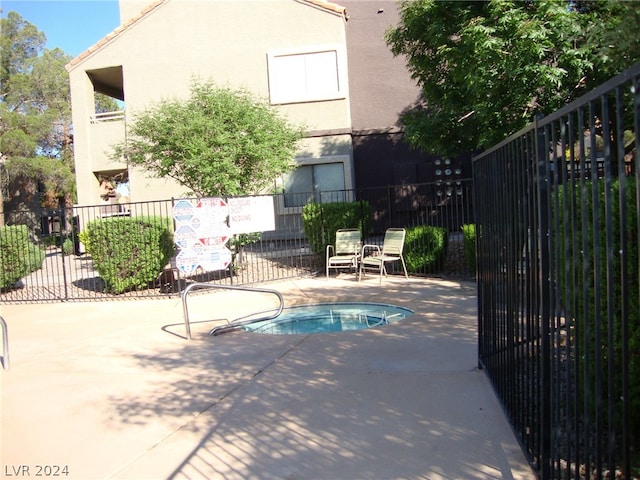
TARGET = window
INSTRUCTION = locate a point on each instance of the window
(306, 75)
(323, 182)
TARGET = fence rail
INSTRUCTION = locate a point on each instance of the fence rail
(558, 283)
(116, 115)
(67, 272)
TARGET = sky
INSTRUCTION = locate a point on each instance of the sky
(71, 25)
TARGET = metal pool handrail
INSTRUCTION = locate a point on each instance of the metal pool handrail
(185, 309)
(5, 344)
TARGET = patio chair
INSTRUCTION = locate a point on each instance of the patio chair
(346, 251)
(391, 252)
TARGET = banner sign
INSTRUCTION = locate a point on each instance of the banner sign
(251, 214)
(203, 228)
(201, 232)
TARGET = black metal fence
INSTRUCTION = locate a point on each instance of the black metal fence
(558, 283)
(64, 271)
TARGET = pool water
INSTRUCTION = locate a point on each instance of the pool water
(330, 317)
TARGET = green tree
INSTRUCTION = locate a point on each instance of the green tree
(217, 142)
(20, 42)
(104, 103)
(487, 68)
(35, 118)
(612, 30)
(51, 99)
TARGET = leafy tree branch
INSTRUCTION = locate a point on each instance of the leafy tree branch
(217, 142)
(487, 68)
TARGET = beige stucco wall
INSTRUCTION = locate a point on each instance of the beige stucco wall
(92, 142)
(131, 8)
(223, 40)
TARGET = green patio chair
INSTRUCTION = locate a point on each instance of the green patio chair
(346, 251)
(390, 252)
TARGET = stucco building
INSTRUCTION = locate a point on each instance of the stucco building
(323, 64)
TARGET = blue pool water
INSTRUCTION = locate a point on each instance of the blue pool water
(330, 317)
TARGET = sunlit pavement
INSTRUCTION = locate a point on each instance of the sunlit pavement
(114, 390)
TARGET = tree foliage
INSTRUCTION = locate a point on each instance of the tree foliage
(20, 42)
(35, 91)
(487, 68)
(217, 142)
(35, 111)
(52, 175)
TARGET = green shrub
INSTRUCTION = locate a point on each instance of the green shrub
(83, 236)
(35, 257)
(67, 246)
(239, 242)
(577, 294)
(469, 236)
(129, 252)
(321, 220)
(18, 255)
(425, 249)
(50, 241)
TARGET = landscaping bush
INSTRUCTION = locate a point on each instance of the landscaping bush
(577, 294)
(129, 252)
(469, 236)
(67, 246)
(321, 220)
(425, 249)
(83, 236)
(19, 256)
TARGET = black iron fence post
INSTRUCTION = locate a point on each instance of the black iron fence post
(542, 177)
(63, 217)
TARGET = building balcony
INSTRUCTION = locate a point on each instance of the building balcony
(105, 131)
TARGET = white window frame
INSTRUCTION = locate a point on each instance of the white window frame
(280, 94)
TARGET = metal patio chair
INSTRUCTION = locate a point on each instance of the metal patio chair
(346, 251)
(390, 252)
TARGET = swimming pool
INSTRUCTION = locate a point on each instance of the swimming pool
(330, 317)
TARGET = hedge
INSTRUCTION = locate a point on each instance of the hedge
(469, 239)
(129, 252)
(425, 249)
(19, 256)
(321, 220)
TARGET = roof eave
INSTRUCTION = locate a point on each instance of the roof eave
(328, 6)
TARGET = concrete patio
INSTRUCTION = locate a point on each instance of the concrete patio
(114, 390)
